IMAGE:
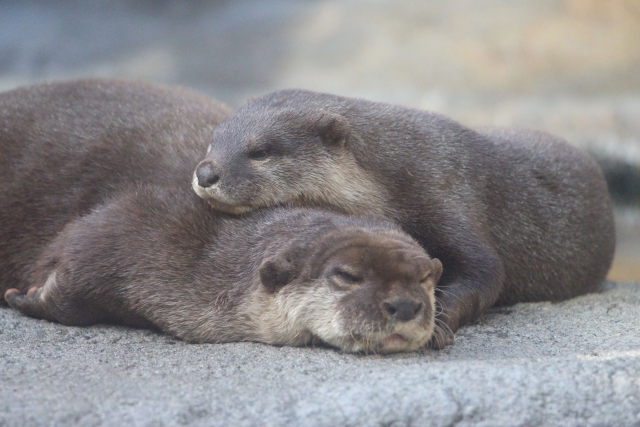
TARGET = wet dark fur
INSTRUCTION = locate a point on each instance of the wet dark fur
(514, 215)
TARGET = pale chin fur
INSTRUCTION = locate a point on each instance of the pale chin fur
(217, 200)
(409, 338)
(294, 318)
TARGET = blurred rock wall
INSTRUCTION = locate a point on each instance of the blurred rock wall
(571, 67)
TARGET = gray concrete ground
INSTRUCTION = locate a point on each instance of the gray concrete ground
(566, 66)
(576, 363)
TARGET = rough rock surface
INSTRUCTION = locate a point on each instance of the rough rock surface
(575, 363)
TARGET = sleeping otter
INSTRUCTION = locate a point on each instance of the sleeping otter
(513, 215)
(160, 257)
(84, 240)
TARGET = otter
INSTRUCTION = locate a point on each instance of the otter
(514, 215)
(84, 238)
(66, 147)
(160, 257)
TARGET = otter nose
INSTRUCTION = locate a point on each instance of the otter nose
(402, 309)
(206, 174)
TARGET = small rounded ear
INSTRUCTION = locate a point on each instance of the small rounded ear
(276, 272)
(437, 269)
(333, 128)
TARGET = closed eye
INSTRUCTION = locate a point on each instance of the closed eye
(348, 277)
(426, 278)
(259, 154)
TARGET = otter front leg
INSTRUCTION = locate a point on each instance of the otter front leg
(472, 280)
(52, 301)
(30, 303)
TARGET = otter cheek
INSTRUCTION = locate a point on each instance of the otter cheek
(317, 311)
(238, 184)
(430, 305)
(279, 180)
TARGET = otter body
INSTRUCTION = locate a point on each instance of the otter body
(85, 240)
(67, 147)
(160, 257)
(513, 215)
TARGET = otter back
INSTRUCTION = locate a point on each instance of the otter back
(514, 215)
(66, 147)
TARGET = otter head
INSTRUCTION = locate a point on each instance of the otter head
(361, 290)
(268, 155)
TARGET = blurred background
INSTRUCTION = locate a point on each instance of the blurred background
(570, 67)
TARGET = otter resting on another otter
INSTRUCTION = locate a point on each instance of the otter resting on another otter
(85, 239)
(513, 215)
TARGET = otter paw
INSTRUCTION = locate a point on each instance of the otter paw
(10, 293)
(442, 337)
(29, 303)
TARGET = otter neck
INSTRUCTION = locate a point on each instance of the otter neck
(349, 188)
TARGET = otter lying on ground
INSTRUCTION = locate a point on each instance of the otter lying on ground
(160, 257)
(513, 215)
(83, 240)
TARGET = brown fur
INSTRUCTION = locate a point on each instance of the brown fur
(160, 257)
(84, 240)
(514, 215)
(67, 147)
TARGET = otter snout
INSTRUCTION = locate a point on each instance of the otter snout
(402, 309)
(207, 174)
